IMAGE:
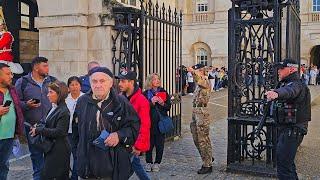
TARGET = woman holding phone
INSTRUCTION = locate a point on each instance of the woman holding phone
(57, 159)
(160, 102)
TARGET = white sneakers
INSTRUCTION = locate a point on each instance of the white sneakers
(148, 167)
(156, 167)
(152, 167)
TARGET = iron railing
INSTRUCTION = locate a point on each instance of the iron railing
(149, 40)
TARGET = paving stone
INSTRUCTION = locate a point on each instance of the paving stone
(181, 158)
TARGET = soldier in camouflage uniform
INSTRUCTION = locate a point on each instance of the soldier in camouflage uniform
(200, 118)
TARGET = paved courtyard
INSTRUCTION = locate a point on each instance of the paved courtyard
(181, 159)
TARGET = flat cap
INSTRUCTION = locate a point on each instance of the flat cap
(101, 69)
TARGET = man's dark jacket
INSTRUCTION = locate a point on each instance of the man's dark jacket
(117, 116)
(294, 91)
(85, 83)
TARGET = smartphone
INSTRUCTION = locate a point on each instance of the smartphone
(7, 103)
(99, 142)
(36, 101)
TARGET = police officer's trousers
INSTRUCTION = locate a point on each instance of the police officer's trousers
(200, 127)
(288, 142)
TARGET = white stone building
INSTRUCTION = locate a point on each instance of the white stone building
(72, 32)
(205, 32)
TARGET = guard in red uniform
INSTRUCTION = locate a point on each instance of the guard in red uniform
(6, 41)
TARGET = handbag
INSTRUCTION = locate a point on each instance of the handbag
(39, 141)
(165, 123)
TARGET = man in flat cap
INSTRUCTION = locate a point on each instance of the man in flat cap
(108, 128)
(292, 111)
(200, 125)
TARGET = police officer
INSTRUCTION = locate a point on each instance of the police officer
(200, 117)
(292, 109)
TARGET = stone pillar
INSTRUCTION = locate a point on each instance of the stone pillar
(74, 32)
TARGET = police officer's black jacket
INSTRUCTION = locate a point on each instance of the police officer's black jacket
(293, 90)
(116, 112)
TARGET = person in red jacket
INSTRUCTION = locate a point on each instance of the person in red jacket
(6, 41)
(129, 88)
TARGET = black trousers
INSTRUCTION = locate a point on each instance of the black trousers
(157, 141)
(190, 88)
(288, 142)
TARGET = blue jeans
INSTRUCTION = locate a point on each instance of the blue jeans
(74, 175)
(138, 168)
(6, 146)
(37, 158)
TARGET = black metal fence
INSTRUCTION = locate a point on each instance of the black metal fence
(260, 34)
(148, 40)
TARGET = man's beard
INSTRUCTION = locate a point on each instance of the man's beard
(43, 74)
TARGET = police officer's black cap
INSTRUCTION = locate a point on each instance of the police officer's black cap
(198, 66)
(101, 69)
(129, 75)
(286, 63)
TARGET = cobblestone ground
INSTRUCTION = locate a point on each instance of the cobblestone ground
(181, 159)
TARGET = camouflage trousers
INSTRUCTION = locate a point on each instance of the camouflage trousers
(200, 127)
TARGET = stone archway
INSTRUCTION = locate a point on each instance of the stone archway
(201, 47)
(315, 56)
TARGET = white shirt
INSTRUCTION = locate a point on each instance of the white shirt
(190, 77)
(71, 104)
(54, 107)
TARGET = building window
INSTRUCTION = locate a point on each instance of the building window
(316, 6)
(202, 57)
(28, 11)
(202, 5)
(25, 15)
(130, 2)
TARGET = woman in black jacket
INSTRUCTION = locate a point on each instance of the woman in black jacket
(56, 165)
(159, 103)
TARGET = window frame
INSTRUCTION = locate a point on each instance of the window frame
(129, 2)
(202, 6)
(316, 6)
(202, 56)
(32, 15)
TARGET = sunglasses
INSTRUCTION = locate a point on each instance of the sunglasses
(54, 84)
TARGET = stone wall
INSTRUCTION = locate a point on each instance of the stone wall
(29, 45)
(212, 33)
(74, 32)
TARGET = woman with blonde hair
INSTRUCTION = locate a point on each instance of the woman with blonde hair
(160, 102)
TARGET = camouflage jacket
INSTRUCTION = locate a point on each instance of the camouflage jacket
(202, 92)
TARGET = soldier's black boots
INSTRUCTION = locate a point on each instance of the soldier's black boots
(205, 170)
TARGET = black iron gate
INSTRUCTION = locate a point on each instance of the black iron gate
(261, 33)
(148, 40)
